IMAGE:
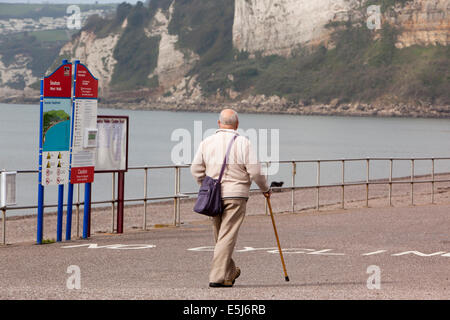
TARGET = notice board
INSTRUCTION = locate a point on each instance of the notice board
(84, 122)
(112, 148)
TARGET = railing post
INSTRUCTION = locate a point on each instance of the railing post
(367, 182)
(113, 200)
(178, 194)
(343, 184)
(266, 209)
(432, 181)
(390, 182)
(318, 185)
(4, 226)
(294, 171)
(144, 223)
(120, 200)
(412, 182)
(176, 206)
(175, 200)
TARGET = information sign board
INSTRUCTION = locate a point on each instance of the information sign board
(55, 133)
(84, 126)
(112, 148)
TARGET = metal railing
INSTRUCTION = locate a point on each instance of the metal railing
(177, 195)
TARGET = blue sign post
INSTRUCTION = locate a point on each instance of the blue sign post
(40, 216)
(70, 189)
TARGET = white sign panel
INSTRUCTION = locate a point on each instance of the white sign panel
(55, 168)
(112, 144)
(85, 118)
(8, 189)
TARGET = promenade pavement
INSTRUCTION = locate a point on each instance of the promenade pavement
(358, 253)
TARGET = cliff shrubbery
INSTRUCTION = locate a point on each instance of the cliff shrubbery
(358, 65)
(205, 27)
(136, 54)
(362, 66)
(39, 54)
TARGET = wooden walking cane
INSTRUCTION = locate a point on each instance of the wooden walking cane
(278, 240)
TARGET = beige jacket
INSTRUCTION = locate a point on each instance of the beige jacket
(242, 166)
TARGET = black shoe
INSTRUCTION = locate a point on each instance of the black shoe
(225, 284)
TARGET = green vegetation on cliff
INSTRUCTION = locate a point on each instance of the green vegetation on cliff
(104, 27)
(136, 54)
(386, 4)
(205, 27)
(360, 65)
(39, 53)
(363, 65)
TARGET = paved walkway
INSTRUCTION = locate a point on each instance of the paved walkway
(329, 255)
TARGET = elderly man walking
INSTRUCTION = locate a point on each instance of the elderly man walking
(242, 168)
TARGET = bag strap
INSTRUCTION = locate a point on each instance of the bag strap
(226, 157)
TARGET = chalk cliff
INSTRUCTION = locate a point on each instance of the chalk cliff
(217, 55)
(267, 27)
(278, 26)
(97, 53)
(172, 63)
(422, 22)
(16, 78)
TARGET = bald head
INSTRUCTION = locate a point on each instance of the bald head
(228, 119)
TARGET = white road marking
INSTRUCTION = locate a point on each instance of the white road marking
(323, 252)
(418, 253)
(208, 248)
(272, 250)
(326, 252)
(113, 246)
(372, 253)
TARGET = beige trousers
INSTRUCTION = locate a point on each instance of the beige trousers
(226, 227)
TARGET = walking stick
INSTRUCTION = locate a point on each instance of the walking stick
(278, 240)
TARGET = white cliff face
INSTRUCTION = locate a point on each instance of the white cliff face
(96, 53)
(16, 70)
(266, 26)
(423, 22)
(12, 73)
(278, 26)
(172, 64)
